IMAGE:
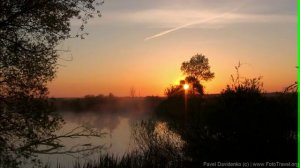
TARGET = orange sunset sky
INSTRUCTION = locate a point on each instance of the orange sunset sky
(142, 44)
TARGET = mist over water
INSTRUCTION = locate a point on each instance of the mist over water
(116, 140)
(113, 116)
(116, 126)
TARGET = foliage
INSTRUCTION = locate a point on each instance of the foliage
(247, 90)
(198, 67)
(293, 88)
(241, 124)
(29, 34)
(107, 104)
(245, 87)
(195, 70)
(130, 160)
(174, 90)
(195, 88)
(154, 146)
(156, 137)
(132, 92)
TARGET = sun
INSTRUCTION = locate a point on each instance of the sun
(186, 86)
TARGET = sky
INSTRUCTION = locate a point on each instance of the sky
(142, 43)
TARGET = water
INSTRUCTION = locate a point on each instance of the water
(117, 139)
(116, 117)
(117, 128)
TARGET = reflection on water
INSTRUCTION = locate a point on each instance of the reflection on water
(116, 125)
(163, 132)
(116, 140)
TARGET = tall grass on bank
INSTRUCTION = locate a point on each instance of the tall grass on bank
(155, 145)
(133, 160)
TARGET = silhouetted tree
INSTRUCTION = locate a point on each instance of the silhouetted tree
(173, 90)
(241, 124)
(132, 92)
(195, 86)
(177, 90)
(30, 31)
(198, 68)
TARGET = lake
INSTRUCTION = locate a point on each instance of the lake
(117, 139)
(115, 117)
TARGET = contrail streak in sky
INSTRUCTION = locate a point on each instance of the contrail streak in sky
(190, 24)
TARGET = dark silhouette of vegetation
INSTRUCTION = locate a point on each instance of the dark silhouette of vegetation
(132, 92)
(293, 88)
(132, 160)
(196, 69)
(107, 104)
(240, 124)
(30, 32)
(155, 138)
(154, 146)
(195, 88)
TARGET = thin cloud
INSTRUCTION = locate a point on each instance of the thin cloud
(191, 23)
(180, 27)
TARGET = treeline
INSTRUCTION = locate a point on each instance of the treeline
(110, 103)
(241, 124)
(238, 126)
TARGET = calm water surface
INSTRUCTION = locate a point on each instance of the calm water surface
(117, 139)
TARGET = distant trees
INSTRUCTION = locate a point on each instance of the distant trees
(174, 90)
(242, 123)
(132, 92)
(30, 31)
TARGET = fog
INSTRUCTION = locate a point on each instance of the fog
(110, 115)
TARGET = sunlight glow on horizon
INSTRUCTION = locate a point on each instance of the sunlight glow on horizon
(186, 86)
(114, 56)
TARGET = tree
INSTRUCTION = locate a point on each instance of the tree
(195, 70)
(30, 31)
(178, 91)
(198, 68)
(196, 87)
(132, 92)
